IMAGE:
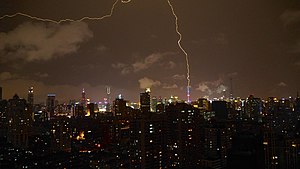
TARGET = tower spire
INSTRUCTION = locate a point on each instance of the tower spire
(231, 88)
(83, 98)
(188, 93)
(30, 96)
(108, 106)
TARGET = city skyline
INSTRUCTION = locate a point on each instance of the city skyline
(254, 43)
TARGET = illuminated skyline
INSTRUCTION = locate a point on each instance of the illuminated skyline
(135, 48)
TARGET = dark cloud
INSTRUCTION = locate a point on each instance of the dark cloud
(290, 17)
(41, 75)
(282, 84)
(6, 76)
(221, 39)
(178, 77)
(42, 41)
(147, 62)
(291, 21)
(212, 88)
(146, 82)
(233, 74)
(168, 86)
(102, 48)
(170, 65)
(141, 64)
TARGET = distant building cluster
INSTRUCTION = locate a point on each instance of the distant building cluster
(154, 133)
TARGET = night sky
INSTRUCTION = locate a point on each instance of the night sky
(256, 43)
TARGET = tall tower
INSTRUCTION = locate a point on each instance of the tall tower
(188, 93)
(83, 98)
(19, 122)
(108, 107)
(231, 89)
(30, 96)
(145, 101)
(50, 104)
(119, 107)
(153, 104)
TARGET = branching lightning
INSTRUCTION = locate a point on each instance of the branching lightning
(65, 20)
(183, 50)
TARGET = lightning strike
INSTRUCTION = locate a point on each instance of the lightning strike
(183, 51)
(67, 19)
(109, 15)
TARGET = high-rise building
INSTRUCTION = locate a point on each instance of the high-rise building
(161, 105)
(253, 108)
(19, 122)
(272, 105)
(188, 93)
(61, 134)
(292, 149)
(30, 99)
(145, 101)
(108, 105)
(221, 109)
(216, 142)
(50, 104)
(3, 117)
(203, 104)
(79, 111)
(83, 101)
(146, 147)
(231, 89)
(153, 104)
(91, 109)
(182, 132)
(119, 107)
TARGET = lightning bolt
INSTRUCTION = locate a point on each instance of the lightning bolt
(183, 51)
(109, 15)
(67, 19)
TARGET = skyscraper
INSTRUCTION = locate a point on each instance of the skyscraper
(203, 104)
(221, 109)
(253, 108)
(231, 89)
(119, 107)
(147, 138)
(145, 101)
(60, 134)
(182, 132)
(19, 119)
(108, 106)
(83, 99)
(30, 96)
(50, 104)
(188, 93)
(153, 104)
